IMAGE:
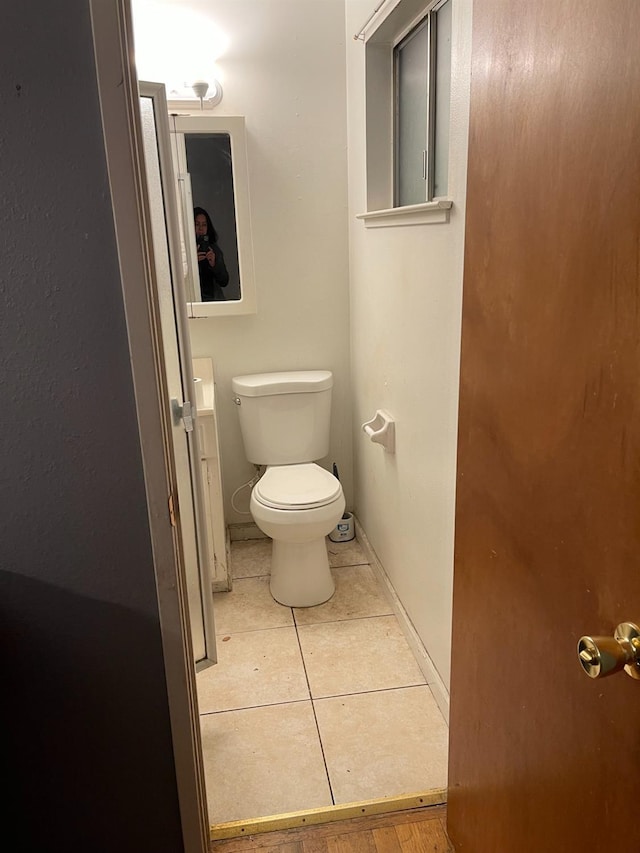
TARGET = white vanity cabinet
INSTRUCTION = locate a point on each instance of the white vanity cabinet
(218, 545)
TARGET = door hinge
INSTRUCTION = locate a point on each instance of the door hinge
(172, 512)
(184, 412)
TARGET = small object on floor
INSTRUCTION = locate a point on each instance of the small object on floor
(345, 529)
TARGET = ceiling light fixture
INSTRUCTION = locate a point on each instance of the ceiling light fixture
(201, 87)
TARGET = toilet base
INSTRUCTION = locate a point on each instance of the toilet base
(300, 573)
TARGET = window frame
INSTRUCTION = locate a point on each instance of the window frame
(387, 30)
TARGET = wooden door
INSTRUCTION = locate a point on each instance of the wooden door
(548, 495)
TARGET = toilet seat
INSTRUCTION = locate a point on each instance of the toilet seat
(296, 487)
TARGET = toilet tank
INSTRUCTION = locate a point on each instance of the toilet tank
(284, 417)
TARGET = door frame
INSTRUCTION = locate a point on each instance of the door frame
(202, 621)
(119, 103)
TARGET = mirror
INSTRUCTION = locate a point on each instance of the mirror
(210, 164)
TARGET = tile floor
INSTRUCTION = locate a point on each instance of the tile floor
(309, 707)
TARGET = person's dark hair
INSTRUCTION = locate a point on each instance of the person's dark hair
(211, 231)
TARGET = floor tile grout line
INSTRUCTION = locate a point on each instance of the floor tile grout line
(313, 711)
(254, 630)
(312, 698)
(266, 574)
(351, 619)
(256, 707)
(369, 692)
(308, 624)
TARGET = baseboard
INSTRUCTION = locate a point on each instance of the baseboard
(437, 685)
(243, 531)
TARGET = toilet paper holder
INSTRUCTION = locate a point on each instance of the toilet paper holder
(382, 430)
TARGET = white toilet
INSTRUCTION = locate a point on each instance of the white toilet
(284, 420)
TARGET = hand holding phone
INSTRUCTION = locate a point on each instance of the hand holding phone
(203, 248)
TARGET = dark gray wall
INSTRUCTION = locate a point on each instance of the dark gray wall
(86, 739)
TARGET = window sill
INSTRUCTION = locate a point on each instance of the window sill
(431, 212)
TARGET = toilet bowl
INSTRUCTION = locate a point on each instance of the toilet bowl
(297, 506)
(284, 420)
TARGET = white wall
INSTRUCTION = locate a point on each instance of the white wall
(284, 70)
(406, 289)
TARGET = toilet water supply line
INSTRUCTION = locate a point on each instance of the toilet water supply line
(345, 514)
(250, 484)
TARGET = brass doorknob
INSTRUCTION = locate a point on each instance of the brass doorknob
(602, 656)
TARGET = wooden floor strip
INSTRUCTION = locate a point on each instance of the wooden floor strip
(328, 814)
(418, 830)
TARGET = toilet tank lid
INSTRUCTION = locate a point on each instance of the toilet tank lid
(288, 382)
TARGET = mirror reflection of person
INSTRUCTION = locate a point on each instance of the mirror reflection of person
(211, 265)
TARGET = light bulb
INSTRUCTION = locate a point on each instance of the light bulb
(200, 87)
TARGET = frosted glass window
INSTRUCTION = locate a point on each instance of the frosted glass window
(422, 83)
(412, 74)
